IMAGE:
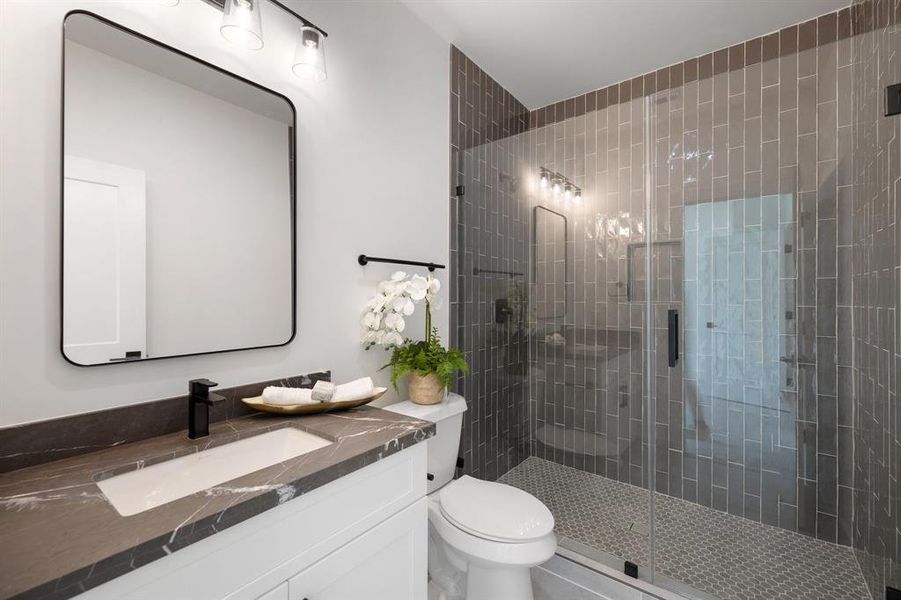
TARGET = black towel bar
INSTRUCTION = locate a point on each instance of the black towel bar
(363, 260)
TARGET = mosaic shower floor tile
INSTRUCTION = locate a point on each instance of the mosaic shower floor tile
(717, 553)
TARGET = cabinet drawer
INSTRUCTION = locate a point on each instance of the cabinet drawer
(388, 562)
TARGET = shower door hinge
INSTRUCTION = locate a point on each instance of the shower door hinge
(892, 593)
(630, 569)
(460, 190)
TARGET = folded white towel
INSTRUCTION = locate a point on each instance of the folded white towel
(282, 395)
(353, 390)
(323, 391)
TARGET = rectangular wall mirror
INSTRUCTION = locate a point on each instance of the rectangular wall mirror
(178, 202)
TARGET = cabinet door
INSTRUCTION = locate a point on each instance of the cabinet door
(279, 593)
(385, 563)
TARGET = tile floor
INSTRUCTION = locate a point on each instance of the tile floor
(719, 554)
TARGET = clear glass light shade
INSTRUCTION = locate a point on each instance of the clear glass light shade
(558, 187)
(543, 179)
(241, 23)
(309, 57)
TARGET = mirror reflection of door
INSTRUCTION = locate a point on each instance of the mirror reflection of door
(104, 262)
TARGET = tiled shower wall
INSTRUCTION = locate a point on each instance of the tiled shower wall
(489, 233)
(751, 214)
(877, 294)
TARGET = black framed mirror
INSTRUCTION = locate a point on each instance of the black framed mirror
(178, 202)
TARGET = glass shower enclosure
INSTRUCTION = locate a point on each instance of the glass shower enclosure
(655, 279)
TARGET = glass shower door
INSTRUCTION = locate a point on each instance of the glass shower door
(588, 334)
(753, 431)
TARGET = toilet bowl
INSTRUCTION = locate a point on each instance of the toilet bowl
(484, 536)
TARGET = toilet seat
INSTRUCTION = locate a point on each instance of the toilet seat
(495, 511)
(489, 552)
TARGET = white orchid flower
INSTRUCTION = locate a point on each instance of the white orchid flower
(394, 300)
(434, 286)
(371, 320)
(398, 304)
(392, 338)
(394, 321)
(418, 287)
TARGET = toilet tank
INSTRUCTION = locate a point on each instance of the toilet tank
(444, 446)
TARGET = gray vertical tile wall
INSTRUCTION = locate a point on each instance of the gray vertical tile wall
(749, 163)
(875, 242)
(489, 260)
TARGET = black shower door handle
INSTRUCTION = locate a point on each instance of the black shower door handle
(672, 325)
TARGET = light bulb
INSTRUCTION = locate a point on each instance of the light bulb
(309, 55)
(568, 192)
(544, 179)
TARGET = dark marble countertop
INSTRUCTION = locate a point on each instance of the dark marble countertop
(59, 536)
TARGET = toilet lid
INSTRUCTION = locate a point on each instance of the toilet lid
(495, 511)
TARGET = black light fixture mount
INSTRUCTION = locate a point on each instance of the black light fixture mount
(220, 4)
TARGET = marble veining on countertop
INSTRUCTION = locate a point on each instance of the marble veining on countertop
(59, 536)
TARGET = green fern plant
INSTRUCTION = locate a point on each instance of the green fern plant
(424, 358)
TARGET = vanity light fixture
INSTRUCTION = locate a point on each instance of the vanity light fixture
(309, 56)
(242, 25)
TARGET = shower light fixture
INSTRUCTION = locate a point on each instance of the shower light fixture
(560, 186)
(242, 25)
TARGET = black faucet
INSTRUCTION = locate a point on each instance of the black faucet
(199, 401)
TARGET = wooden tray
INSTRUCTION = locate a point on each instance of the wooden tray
(311, 409)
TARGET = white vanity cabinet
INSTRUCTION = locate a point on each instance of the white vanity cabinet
(363, 536)
(387, 562)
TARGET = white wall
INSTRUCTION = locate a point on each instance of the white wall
(372, 177)
(217, 203)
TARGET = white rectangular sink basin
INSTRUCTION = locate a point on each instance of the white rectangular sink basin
(136, 491)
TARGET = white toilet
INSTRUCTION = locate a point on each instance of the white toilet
(483, 536)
